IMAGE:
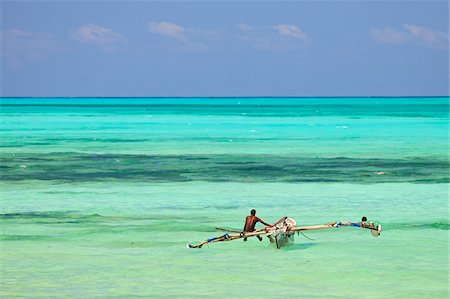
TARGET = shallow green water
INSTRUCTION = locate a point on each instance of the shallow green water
(100, 196)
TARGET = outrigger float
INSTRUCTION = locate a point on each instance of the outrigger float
(283, 231)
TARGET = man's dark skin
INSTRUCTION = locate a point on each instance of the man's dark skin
(250, 222)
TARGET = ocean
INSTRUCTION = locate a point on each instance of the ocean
(99, 196)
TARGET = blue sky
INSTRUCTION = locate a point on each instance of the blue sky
(233, 48)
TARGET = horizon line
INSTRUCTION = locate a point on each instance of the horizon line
(214, 97)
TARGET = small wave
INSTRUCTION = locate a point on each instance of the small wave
(442, 225)
(28, 238)
(70, 217)
(53, 215)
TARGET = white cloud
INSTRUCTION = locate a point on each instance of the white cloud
(168, 29)
(290, 31)
(411, 33)
(20, 46)
(277, 37)
(190, 38)
(388, 35)
(427, 36)
(260, 42)
(244, 27)
(95, 34)
(21, 40)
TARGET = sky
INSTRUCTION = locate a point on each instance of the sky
(224, 48)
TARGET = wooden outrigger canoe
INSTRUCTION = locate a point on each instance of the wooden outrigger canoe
(282, 232)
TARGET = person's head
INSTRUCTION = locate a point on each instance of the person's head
(364, 219)
(253, 212)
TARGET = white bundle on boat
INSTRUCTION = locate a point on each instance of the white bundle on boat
(281, 234)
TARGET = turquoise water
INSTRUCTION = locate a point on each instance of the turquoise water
(99, 196)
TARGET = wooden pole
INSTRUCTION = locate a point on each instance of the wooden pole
(268, 231)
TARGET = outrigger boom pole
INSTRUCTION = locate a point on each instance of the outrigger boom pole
(281, 227)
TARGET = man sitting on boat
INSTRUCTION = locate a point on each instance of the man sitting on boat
(250, 222)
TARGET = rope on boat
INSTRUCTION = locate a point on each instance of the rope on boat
(228, 230)
(307, 236)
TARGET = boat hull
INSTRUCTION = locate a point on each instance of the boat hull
(280, 239)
